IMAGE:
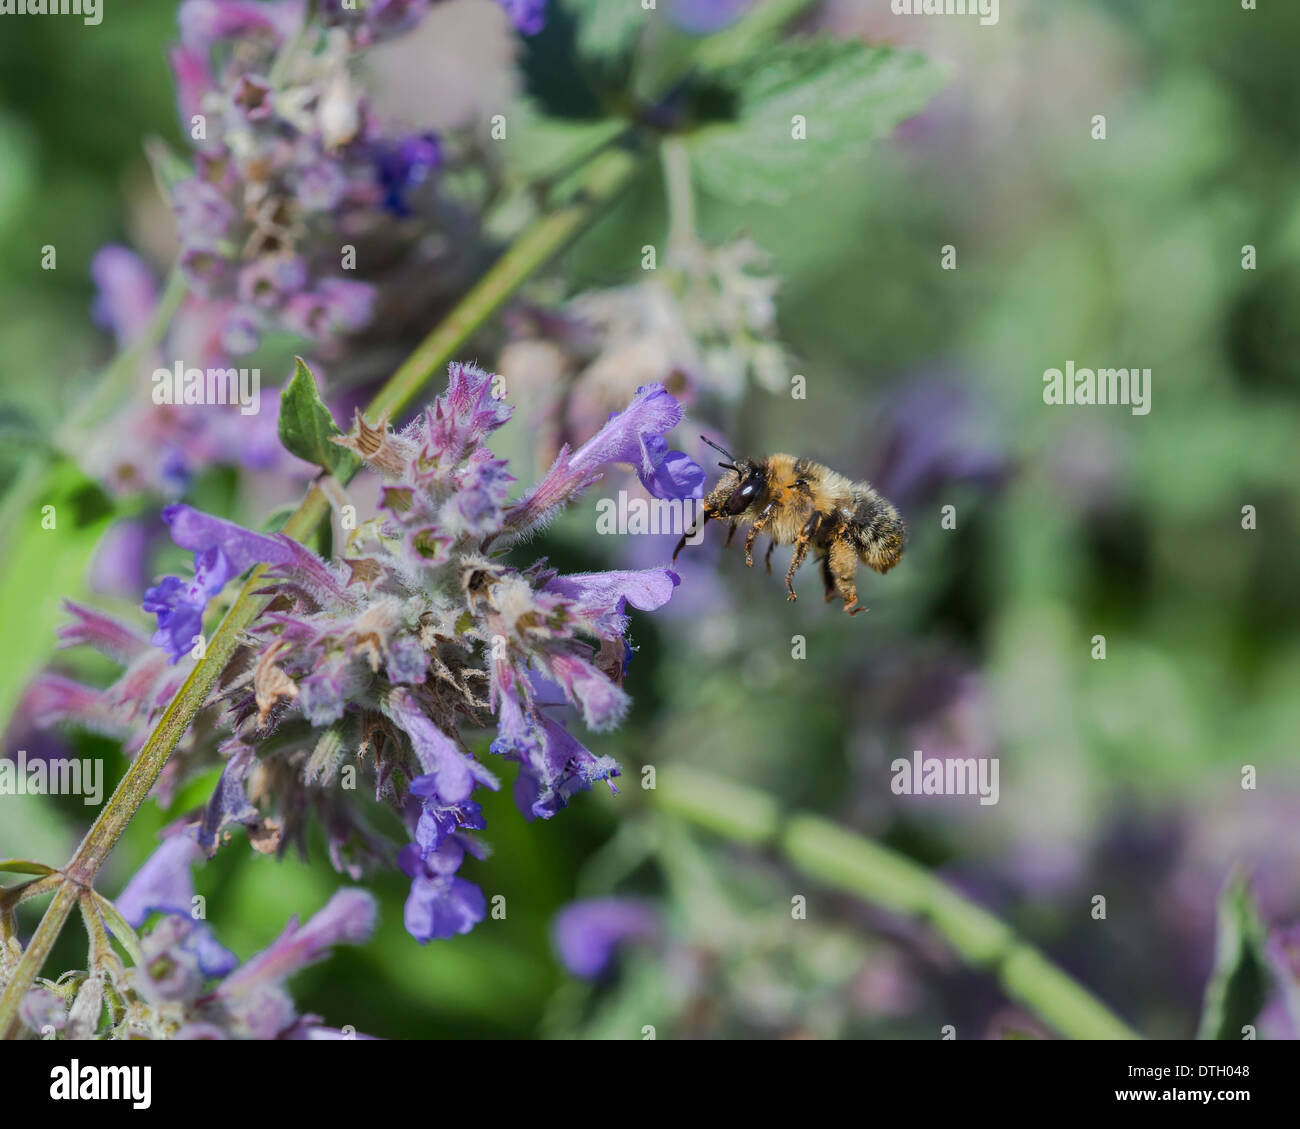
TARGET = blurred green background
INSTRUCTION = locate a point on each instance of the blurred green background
(1119, 777)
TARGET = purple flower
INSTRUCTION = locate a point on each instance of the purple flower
(347, 918)
(268, 281)
(668, 474)
(528, 16)
(165, 885)
(554, 765)
(588, 934)
(321, 186)
(222, 550)
(440, 904)
(704, 17)
(203, 214)
(206, 22)
(126, 292)
(119, 565)
(633, 436)
(404, 165)
(449, 774)
(602, 597)
(383, 660)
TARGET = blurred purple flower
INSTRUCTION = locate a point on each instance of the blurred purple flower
(588, 934)
(930, 435)
(125, 292)
(704, 17)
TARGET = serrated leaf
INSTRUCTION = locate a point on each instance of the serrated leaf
(607, 28)
(1239, 983)
(305, 422)
(849, 94)
(538, 146)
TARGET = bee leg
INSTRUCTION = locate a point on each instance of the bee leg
(731, 532)
(800, 552)
(767, 560)
(755, 530)
(828, 581)
(842, 564)
(801, 544)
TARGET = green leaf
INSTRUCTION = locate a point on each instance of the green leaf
(305, 422)
(539, 147)
(847, 93)
(25, 866)
(120, 928)
(43, 566)
(1239, 983)
(607, 28)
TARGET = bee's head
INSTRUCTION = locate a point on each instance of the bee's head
(751, 481)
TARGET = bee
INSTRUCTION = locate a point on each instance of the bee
(800, 502)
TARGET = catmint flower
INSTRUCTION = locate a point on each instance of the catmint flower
(633, 437)
(388, 656)
(125, 292)
(151, 448)
(188, 985)
(286, 165)
(588, 934)
(165, 885)
(222, 550)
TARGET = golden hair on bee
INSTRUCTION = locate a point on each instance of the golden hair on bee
(802, 503)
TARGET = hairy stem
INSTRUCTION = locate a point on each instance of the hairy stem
(600, 181)
(840, 859)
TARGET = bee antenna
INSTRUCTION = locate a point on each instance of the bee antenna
(723, 450)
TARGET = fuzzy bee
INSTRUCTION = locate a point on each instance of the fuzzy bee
(800, 502)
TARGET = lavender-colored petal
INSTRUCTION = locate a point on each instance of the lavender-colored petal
(438, 908)
(588, 934)
(450, 774)
(347, 918)
(126, 292)
(164, 883)
(528, 16)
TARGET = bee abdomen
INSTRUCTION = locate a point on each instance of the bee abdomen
(877, 530)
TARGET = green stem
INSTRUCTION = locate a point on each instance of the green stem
(604, 176)
(840, 859)
(679, 191)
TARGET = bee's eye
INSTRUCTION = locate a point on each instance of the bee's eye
(744, 494)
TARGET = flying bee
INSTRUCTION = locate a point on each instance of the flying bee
(800, 502)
